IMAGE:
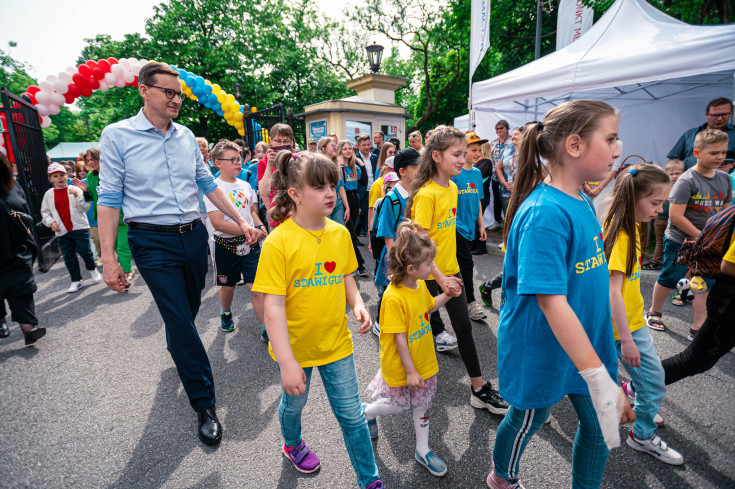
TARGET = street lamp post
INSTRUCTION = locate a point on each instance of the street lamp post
(238, 92)
(375, 53)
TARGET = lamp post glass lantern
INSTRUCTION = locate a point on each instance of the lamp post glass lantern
(238, 91)
(375, 53)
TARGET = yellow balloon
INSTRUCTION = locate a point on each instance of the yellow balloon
(238, 116)
(241, 132)
(229, 116)
(221, 98)
(216, 89)
(230, 98)
(207, 82)
(239, 125)
(235, 107)
(193, 97)
(183, 83)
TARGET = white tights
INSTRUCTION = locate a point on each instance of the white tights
(420, 422)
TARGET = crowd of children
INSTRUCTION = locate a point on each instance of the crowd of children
(426, 211)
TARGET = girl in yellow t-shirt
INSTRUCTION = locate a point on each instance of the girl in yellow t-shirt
(408, 366)
(305, 273)
(638, 197)
(433, 206)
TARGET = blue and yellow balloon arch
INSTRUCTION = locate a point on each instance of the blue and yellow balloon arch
(83, 80)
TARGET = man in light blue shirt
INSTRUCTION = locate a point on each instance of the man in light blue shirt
(151, 167)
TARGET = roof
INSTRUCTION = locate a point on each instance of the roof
(632, 43)
(69, 151)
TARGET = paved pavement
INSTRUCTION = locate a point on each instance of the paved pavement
(97, 403)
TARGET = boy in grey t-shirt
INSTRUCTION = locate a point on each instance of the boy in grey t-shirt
(701, 192)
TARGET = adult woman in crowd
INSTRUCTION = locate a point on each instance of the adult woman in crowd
(17, 253)
(341, 213)
(386, 151)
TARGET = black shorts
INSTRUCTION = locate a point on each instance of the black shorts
(230, 266)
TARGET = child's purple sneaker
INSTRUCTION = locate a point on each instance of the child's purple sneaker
(302, 458)
(375, 485)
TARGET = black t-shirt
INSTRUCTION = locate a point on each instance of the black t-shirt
(486, 167)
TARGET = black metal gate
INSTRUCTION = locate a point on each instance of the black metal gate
(258, 124)
(27, 151)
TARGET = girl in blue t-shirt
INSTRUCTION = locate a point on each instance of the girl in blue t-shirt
(352, 176)
(551, 341)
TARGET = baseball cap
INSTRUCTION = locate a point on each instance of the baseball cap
(312, 141)
(55, 168)
(389, 161)
(390, 177)
(405, 157)
(473, 138)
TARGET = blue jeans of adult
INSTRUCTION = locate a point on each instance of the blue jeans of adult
(648, 380)
(175, 268)
(589, 454)
(73, 244)
(340, 383)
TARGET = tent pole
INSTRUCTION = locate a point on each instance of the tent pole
(537, 53)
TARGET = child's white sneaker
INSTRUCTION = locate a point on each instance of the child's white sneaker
(96, 276)
(445, 341)
(655, 447)
(74, 287)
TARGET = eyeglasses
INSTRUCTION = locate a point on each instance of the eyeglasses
(169, 92)
(500, 128)
(720, 116)
(234, 161)
(281, 142)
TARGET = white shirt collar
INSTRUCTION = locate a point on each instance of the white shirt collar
(402, 191)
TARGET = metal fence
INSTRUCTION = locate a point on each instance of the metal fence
(257, 125)
(21, 127)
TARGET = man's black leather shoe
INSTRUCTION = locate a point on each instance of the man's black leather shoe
(210, 429)
(34, 335)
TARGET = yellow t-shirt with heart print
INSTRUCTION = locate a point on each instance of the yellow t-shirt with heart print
(435, 209)
(406, 311)
(311, 277)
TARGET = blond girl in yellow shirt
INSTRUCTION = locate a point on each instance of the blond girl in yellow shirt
(305, 273)
(433, 206)
(638, 198)
(408, 366)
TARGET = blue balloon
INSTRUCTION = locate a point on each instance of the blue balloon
(220, 112)
(189, 81)
(212, 98)
(207, 89)
(199, 81)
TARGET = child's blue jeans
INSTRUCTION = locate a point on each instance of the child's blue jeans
(589, 454)
(648, 380)
(76, 243)
(340, 383)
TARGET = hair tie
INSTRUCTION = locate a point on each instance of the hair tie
(294, 156)
(283, 209)
(540, 126)
(633, 171)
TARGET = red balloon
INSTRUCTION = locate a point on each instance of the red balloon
(74, 90)
(91, 63)
(98, 73)
(86, 91)
(93, 83)
(33, 89)
(135, 82)
(79, 79)
(69, 99)
(104, 65)
(85, 70)
(32, 97)
(112, 61)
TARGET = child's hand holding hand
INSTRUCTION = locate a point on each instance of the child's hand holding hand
(363, 316)
(414, 381)
(54, 227)
(293, 379)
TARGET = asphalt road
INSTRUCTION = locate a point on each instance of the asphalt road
(97, 403)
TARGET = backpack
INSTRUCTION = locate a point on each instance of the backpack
(703, 255)
(377, 244)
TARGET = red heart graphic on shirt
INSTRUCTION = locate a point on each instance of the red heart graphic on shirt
(601, 238)
(454, 212)
(426, 316)
(330, 266)
(472, 185)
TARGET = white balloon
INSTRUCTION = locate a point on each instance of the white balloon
(128, 77)
(71, 69)
(124, 63)
(110, 79)
(119, 83)
(65, 77)
(42, 109)
(135, 69)
(51, 79)
(57, 99)
(133, 61)
(53, 109)
(45, 121)
(103, 85)
(3, 150)
(61, 86)
(116, 70)
(43, 97)
(46, 86)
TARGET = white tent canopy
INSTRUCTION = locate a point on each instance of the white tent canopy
(660, 73)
